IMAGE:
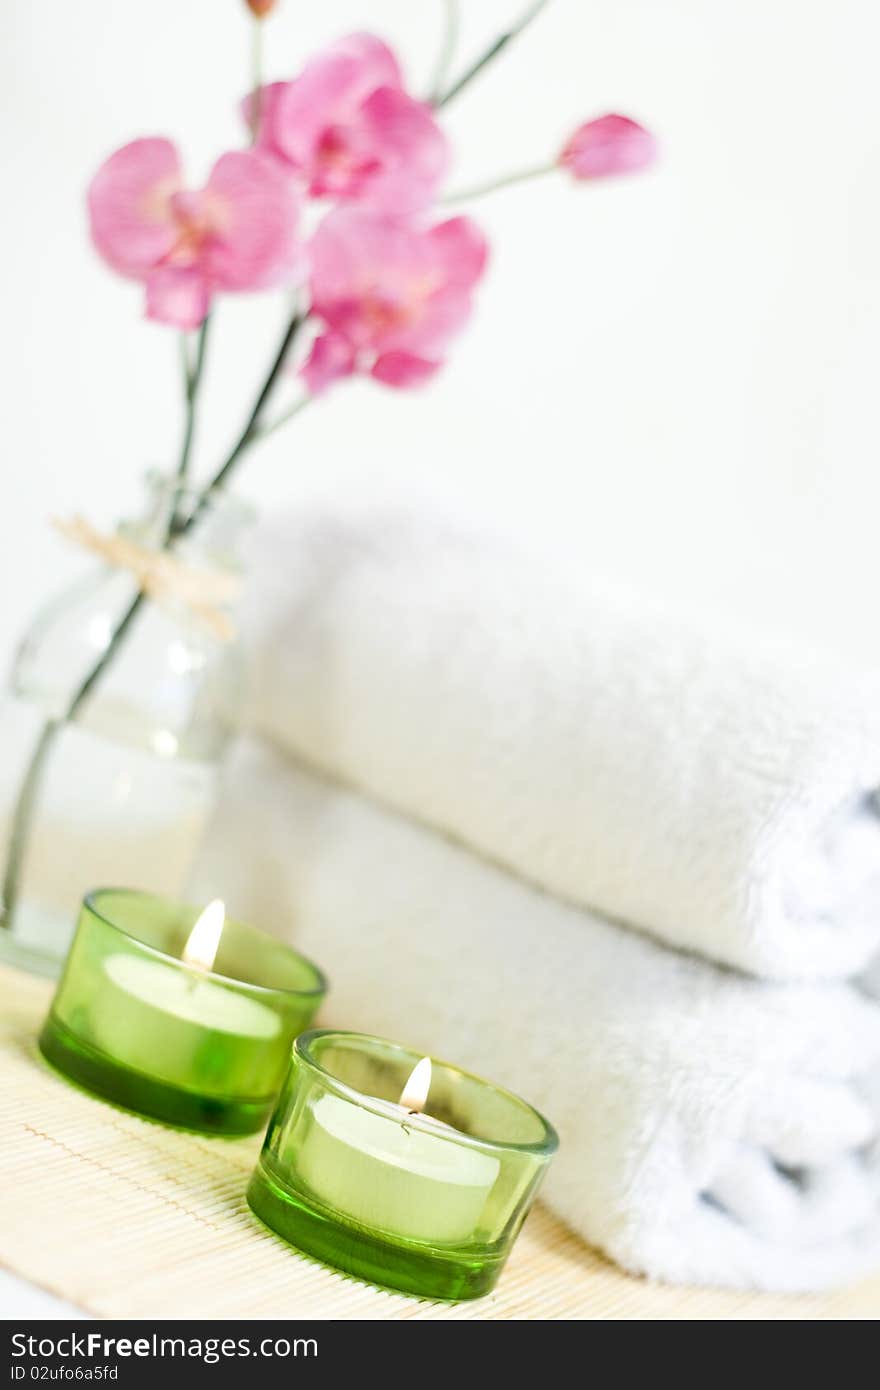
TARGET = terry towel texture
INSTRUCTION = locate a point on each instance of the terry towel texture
(715, 792)
(714, 1128)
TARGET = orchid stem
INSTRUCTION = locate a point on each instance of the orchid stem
(193, 380)
(283, 418)
(506, 181)
(451, 26)
(185, 361)
(491, 53)
(256, 77)
(251, 431)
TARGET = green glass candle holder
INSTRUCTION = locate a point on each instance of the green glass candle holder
(206, 1049)
(429, 1203)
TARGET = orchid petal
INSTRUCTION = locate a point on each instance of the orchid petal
(461, 249)
(178, 296)
(412, 152)
(255, 243)
(129, 205)
(264, 104)
(403, 370)
(330, 359)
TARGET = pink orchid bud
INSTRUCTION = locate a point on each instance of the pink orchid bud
(607, 146)
(260, 8)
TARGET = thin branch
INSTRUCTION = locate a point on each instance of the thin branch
(449, 43)
(492, 52)
(256, 77)
(506, 181)
(185, 361)
(283, 418)
(192, 382)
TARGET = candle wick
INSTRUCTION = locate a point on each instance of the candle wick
(192, 978)
(410, 1114)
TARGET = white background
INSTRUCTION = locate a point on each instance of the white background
(677, 372)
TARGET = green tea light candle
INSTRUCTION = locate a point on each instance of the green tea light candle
(184, 1016)
(410, 1173)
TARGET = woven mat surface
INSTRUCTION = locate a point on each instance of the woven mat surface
(128, 1219)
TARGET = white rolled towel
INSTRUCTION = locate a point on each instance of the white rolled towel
(714, 1129)
(708, 788)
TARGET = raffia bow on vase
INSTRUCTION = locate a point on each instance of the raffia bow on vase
(162, 576)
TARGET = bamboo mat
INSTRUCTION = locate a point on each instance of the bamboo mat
(128, 1219)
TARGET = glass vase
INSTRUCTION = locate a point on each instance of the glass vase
(116, 715)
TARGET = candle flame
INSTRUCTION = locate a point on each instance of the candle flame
(202, 943)
(414, 1095)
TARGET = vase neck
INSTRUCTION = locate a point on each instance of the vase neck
(217, 535)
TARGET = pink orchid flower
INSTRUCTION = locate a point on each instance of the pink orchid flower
(390, 295)
(237, 233)
(349, 130)
(607, 146)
